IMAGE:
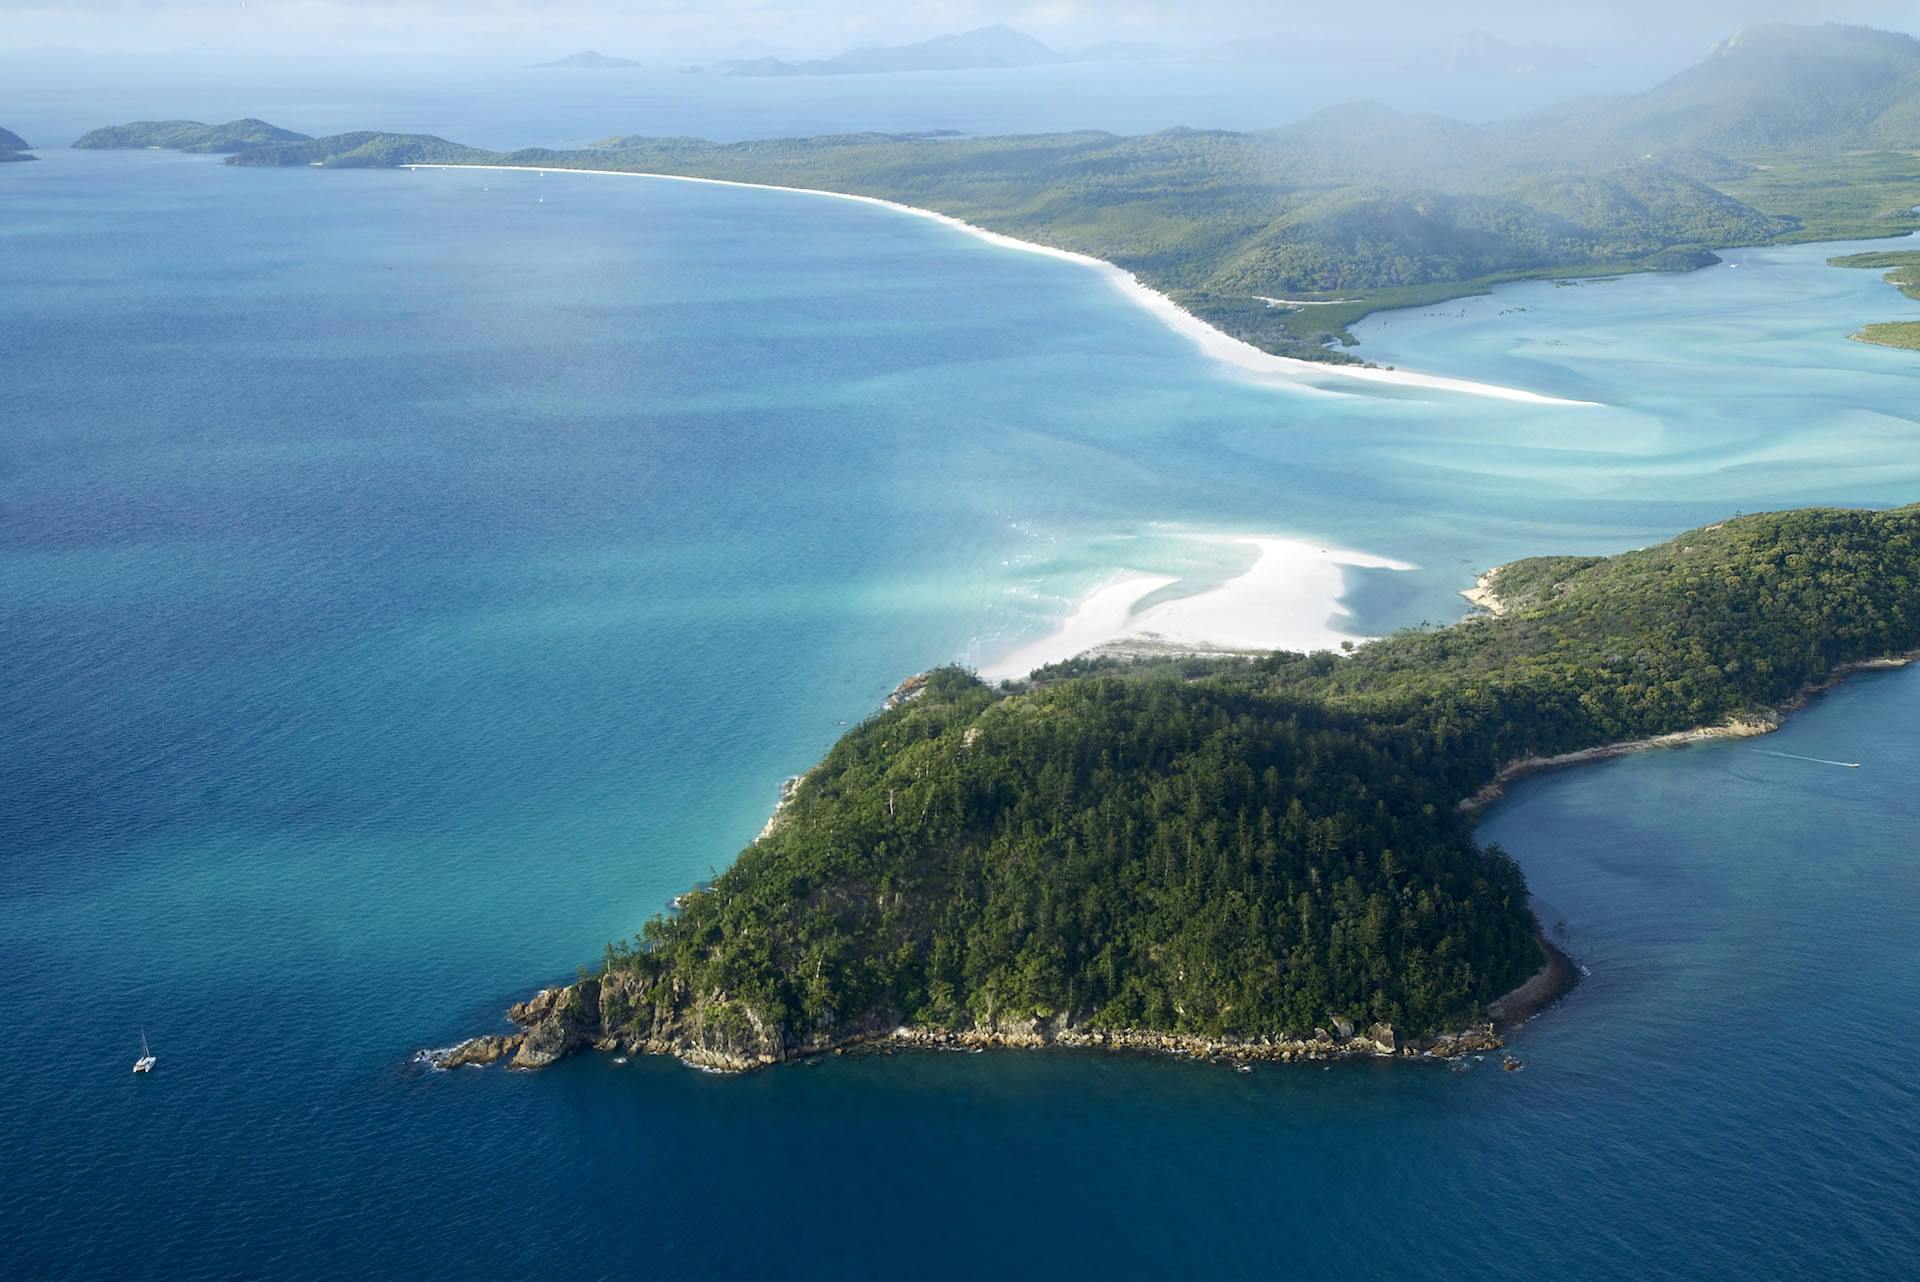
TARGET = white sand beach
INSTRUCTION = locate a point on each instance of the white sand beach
(1215, 343)
(1288, 600)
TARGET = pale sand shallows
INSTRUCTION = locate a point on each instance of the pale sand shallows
(1288, 600)
(1215, 343)
(1482, 593)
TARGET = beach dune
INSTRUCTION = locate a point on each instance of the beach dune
(1288, 600)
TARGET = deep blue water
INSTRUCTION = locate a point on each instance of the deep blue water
(411, 581)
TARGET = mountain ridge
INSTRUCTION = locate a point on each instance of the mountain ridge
(586, 59)
(985, 47)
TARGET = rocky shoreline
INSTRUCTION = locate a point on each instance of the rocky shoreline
(712, 1031)
(555, 1025)
(1753, 725)
(708, 1031)
(1547, 985)
(1341, 1042)
(1732, 728)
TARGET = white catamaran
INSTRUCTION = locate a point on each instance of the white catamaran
(146, 1061)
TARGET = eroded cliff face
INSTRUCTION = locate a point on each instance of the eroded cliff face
(631, 1014)
(622, 1011)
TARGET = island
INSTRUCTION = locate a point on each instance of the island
(988, 47)
(1478, 53)
(187, 135)
(1902, 268)
(587, 60)
(14, 147)
(1246, 858)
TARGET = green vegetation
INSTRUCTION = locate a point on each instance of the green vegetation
(1834, 195)
(1773, 88)
(1217, 219)
(1785, 133)
(1240, 848)
(1892, 334)
(1904, 265)
(365, 150)
(1904, 273)
(188, 135)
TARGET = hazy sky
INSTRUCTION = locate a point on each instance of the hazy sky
(640, 28)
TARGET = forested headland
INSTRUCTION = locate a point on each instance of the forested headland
(1204, 849)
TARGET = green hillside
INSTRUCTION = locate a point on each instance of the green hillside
(1220, 220)
(1230, 848)
(365, 150)
(188, 135)
(1902, 267)
(1773, 89)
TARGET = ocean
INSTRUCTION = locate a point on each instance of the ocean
(411, 581)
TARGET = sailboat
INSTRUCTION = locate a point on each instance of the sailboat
(146, 1061)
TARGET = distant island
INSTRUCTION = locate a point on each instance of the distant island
(995, 46)
(188, 135)
(1902, 268)
(587, 59)
(1122, 51)
(14, 147)
(987, 48)
(1478, 53)
(1268, 858)
(1283, 238)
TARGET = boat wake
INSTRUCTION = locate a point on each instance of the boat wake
(1818, 761)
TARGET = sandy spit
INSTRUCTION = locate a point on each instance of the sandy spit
(1215, 343)
(1288, 600)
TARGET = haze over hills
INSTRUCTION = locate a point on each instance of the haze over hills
(1772, 88)
(14, 147)
(995, 46)
(1221, 221)
(1357, 200)
(1478, 53)
(588, 60)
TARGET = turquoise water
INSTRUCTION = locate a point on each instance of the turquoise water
(411, 581)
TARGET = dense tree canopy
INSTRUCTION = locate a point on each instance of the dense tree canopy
(1248, 848)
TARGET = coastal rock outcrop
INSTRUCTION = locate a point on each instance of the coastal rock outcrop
(907, 691)
(620, 1012)
(789, 788)
(559, 1021)
(478, 1051)
(1469, 1041)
